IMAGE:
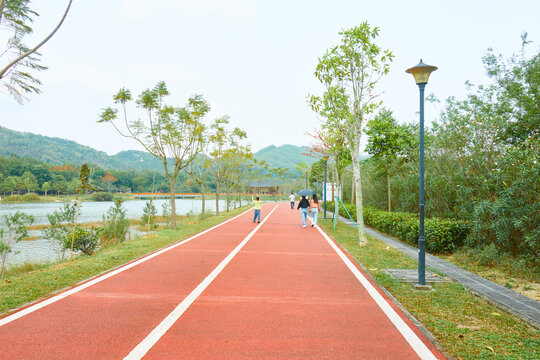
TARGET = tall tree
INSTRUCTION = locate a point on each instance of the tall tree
(17, 59)
(355, 66)
(390, 144)
(223, 142)
(170, 133)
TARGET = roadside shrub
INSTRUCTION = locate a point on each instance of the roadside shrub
(442, 235)
(30, 197)
(12, 229)
(149, 215)
(115, 224)
(84, 240)
(102, 196)
(167, 212)
(62, 222)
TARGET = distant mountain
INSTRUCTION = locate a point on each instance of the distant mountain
(57, 151)
(284, 156)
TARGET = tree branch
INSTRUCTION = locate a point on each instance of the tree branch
(31, 51)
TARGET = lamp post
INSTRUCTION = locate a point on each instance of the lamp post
(325, 157)
(421, 74)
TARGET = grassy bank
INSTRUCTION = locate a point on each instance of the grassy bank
(466, 326)
(22, 287)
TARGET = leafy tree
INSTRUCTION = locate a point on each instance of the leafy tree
(353, 69)
(17, 59)
(390, 144)
(10, 184)
(139, 183)
(224, 145)
(13, 229)
(304, 170)
(108, 179)
(169, 132)
(30, 181)
(46, 187)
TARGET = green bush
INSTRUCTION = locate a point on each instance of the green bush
(84, 240)
(149, 215)
(14, 198)
(442, 235)
(102, 196)
(115, 224)
(30, 197)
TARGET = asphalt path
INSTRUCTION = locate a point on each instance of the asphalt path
(237, 291)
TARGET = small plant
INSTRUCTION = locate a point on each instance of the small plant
(167, 209)
(149, 215)
(62, 222)
(12, 230)
(81, 239)
(489, 255)
(115, 224)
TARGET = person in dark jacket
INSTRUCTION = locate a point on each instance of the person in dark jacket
(303, 205)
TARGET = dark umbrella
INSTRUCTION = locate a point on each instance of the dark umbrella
(306, 192)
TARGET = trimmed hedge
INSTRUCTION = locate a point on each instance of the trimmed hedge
(442, 235)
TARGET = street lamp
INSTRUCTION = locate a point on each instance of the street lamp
(325, 157)
(421, 74)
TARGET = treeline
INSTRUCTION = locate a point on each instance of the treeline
(482, 160)
(20, 175)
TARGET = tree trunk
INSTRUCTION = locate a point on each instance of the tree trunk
(389, 189)
(362, 240)
(352, 189)
(172, 183)
(203, 207)
(337, 197)
(217, 198)
(227, 197)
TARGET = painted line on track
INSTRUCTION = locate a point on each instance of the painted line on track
(85, 285)
(149, 341)
(418, 345)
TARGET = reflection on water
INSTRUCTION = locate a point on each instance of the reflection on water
(42, 250)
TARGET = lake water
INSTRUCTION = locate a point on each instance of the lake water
(42, 250)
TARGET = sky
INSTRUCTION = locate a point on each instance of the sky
(253, 60)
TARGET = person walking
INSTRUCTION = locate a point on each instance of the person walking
(315, 207)
(291, 198)
(303, 205)
(257, 208)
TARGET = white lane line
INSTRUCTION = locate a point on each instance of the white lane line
(149, 341)
(76, 289)
(418, 346)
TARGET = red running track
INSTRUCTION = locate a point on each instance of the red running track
(238, 291)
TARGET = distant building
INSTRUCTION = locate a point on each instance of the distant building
(263, 187)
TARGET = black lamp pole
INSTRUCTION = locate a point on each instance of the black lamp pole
(325, 157)
(421, 75)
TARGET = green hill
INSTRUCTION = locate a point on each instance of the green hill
(57, 151)
(284, 156)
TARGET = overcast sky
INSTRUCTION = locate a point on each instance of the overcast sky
(252, 60)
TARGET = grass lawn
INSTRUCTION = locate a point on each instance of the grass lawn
(21, 287)
(466, 326)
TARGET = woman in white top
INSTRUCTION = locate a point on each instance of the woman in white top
(315, 208)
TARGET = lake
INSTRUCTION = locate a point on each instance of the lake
(41, 250)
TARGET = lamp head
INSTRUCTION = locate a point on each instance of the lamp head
(421, 72)
(325, 157)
